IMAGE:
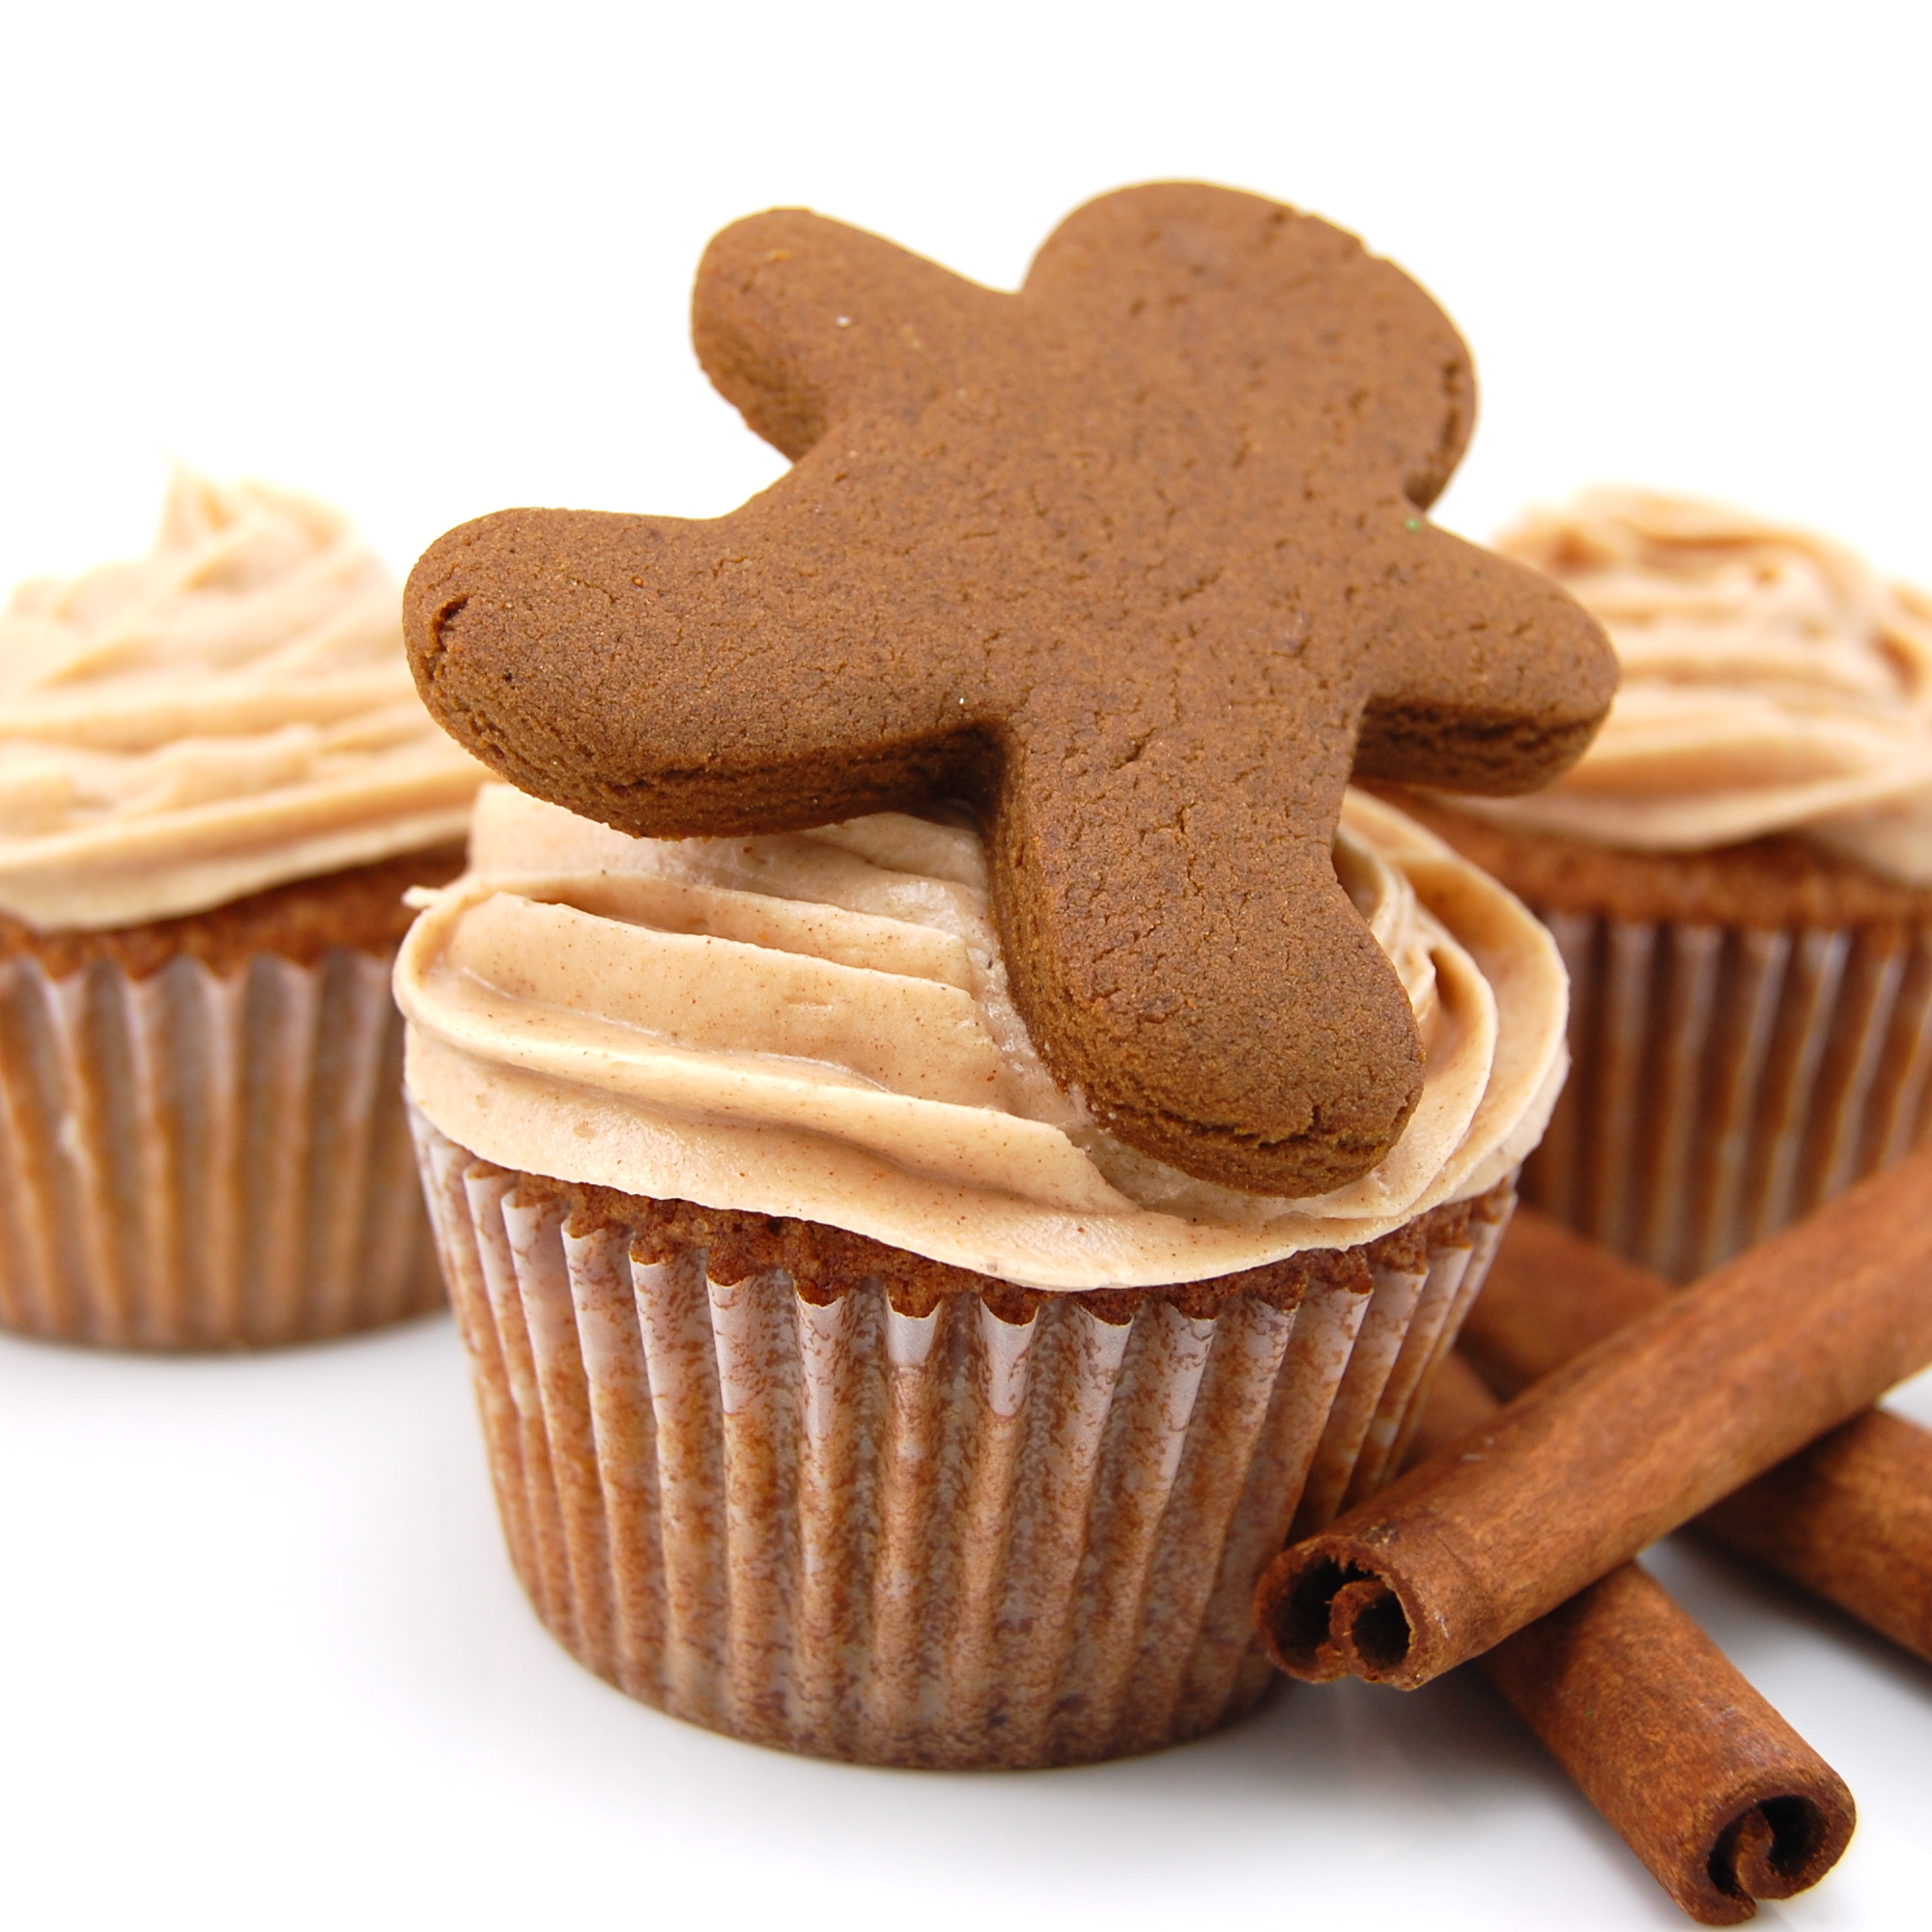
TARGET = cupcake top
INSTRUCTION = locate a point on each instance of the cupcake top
(232, 711)
(820, 1025)
(1772, 683)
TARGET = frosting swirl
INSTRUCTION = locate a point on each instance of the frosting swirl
(1772, 682)
(228, 713)
(818, 1025)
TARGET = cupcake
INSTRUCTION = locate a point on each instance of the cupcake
(215, 785)
(950, 1134)
(846, 1386)
(1738, 873)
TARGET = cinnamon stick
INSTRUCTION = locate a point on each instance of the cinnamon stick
(1704, 1781)
(1698, 1773)
(1849, 1518)
(1459, 1400)
(1637, 1434)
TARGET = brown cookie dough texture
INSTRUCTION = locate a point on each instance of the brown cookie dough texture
(1132, 560)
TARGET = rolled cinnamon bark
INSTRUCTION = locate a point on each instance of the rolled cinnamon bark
(1849, 1518)
(1639, 1434)
(1551, 1293)
(1704, 1781)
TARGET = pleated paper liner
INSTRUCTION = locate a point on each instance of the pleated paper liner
(989, 1530)
(1726, 1081)
(189, 1160)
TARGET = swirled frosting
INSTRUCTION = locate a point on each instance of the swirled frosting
(1772, 682)
(818, 1025)
(230, 712)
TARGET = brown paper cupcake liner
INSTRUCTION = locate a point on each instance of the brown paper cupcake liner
(1725, 1080)
(193, 1160)
(969, 1529)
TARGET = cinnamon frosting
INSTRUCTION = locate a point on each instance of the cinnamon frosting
(228, 713)
(818, 1025)
(1772, 682)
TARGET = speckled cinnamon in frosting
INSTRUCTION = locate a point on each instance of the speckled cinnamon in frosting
(1772, 683)
(229, 712)
(817, 1025)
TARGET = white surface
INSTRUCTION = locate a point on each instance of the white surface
(264, 1666)
(261, 1660)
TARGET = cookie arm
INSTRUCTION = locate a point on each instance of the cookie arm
(654, 673)
(798, 321)
(1484, 675)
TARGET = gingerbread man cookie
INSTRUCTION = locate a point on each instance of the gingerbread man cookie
(1133, 562)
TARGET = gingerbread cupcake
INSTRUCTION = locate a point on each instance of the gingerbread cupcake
(949, 1138)
(215, 785)
(1738, 873)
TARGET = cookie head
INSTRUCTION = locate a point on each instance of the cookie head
(1134, 561)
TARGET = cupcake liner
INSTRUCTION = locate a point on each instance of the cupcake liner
(192, 1161)
(939, 1536)
(1726, 1081)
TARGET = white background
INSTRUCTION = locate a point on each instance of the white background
(261, 1659)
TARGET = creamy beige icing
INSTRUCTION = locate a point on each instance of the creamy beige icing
(818, 1025)
(1772, 682)
(230, 712)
